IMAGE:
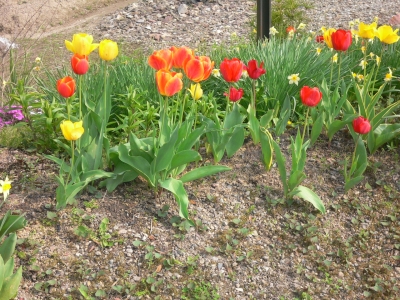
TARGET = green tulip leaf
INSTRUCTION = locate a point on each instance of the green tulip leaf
(308, 195)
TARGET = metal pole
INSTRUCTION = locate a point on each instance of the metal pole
(263, 19)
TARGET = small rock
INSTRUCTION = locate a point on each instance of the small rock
(182, 9)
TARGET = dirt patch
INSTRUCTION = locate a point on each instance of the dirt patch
(37, 18)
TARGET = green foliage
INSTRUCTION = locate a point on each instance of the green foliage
(9, 281)
(199, 291)
(289, 13)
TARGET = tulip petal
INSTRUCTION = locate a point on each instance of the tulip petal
(173, 86)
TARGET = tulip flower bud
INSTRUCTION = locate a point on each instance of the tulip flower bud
(108, 50)
(234, 94)
(310, 96)
(80, 64)
(66, 86)
(361, 125)
(72, 131)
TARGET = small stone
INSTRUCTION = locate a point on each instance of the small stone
(182, 9)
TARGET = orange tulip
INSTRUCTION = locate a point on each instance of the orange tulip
(168, 83)
(181, 56)
(198, 68)
(66, 86)
(161, 59)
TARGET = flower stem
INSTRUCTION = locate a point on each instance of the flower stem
(72, 161)
(340, 62)
(305, 125)
(80, 97)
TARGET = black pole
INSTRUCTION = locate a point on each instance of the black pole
(263, 19)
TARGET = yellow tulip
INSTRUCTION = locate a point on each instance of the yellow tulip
(72, 131)
(366, 31)
(196, 91)
(82, 44)
(108, 50)
(328, 37)
(386, 34)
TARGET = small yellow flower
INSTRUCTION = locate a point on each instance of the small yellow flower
(363, 49)
(354, 74)
(245, 74)
(378, 60)
(291, 34)
(196, 91)
(4, 83)
(254, 30)
(37, 68)
(352, 24)
(216, 73)
(294, 78)
(289, 123)
(376, 19)
(273, 31)
(357, 21)
(108, 50)
(38, 60)
(318, 50)
(5, 186)
(335, 58)
(363, 64)
(72, 131)
(371, 54)
(301, 26)
(388, 76)
(360, 77)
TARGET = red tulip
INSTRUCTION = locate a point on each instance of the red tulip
(79, 64)
(310, 96)
(290, 28)
(161, 59)
(341, 39)
(198, 68)
(66, 86)
(319, 38)
(181, 56)
(231, 69)
(254, 71)
(361, 125)
(168, 83)
(234, 94)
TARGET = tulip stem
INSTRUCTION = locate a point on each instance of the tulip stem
(105, 96)
(72, 161)
(80, 97)
(254, 97)
(339, 62)
(354, 156)
(227, 102)
(68, 109)
(305, 126)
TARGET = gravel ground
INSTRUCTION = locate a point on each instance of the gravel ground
(156, 24)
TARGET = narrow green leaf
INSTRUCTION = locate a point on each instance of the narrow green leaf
(184, 157)
(203, 172)
(266, 148)
(352, 182)
(308, 195)
(176, 187)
